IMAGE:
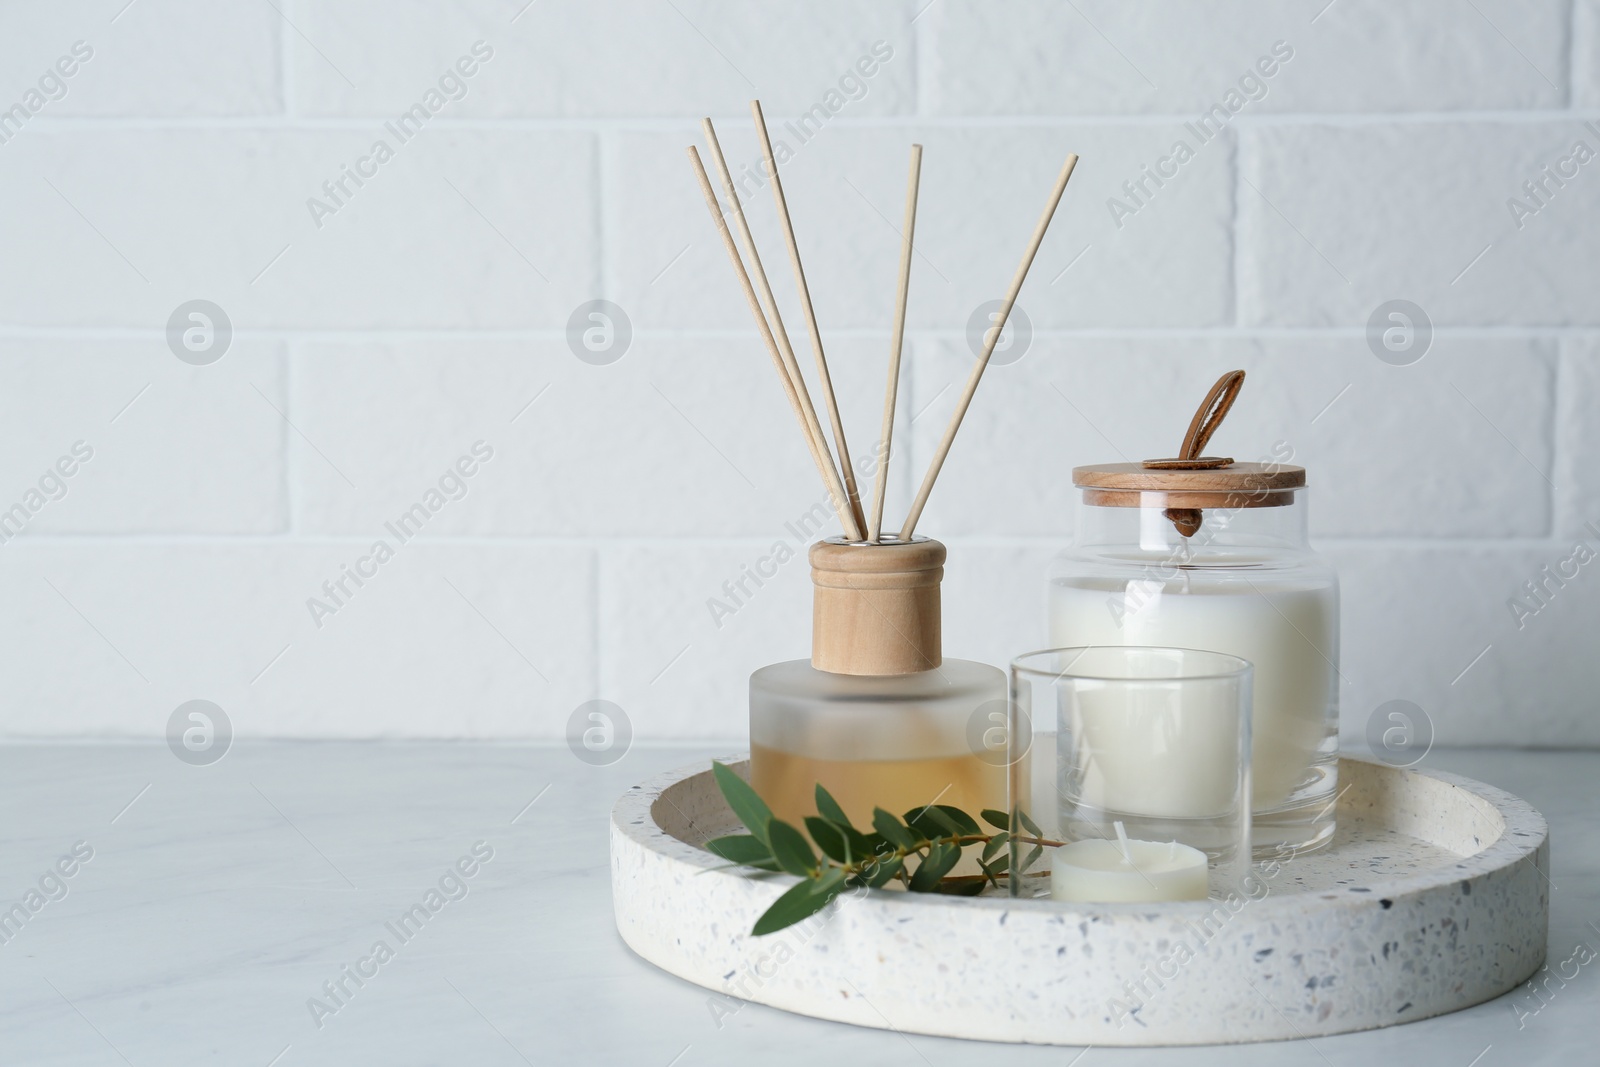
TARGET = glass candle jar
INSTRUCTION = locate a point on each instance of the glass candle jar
(1217, 559)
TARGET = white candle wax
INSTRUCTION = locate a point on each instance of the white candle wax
(1131, 872)
(1286, 630)
(1167, 752)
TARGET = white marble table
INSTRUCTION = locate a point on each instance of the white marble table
(219, 902)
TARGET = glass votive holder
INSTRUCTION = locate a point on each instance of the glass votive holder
(1129, 774)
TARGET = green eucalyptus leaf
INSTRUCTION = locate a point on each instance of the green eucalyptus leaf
(1028, 824)
(751, 809)
(964, 822)
(993, 871)
(829, 808)
(764, 865)
(941, 858)
(1028, 861)
(828, 838)
(789, 848)
(995, 844)
(862, 845)
(885, 872)
(740, 848)
(931, 822)
(997, 819)
(801, 901)
(893, 830)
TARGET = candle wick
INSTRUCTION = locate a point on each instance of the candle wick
(1122, 842)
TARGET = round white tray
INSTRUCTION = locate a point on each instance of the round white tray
(1432, 897)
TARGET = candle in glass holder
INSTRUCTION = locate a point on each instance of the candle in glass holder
(1148, 770)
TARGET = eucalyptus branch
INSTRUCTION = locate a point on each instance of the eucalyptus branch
(846, 858)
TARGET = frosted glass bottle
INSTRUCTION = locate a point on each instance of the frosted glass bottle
(1244, 581)
(877, 715)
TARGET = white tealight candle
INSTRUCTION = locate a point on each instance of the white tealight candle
(1128, 872)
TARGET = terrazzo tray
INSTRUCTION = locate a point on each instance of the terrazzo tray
(1432, 897)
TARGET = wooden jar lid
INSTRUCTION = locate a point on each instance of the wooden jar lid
(1257, 484)
(875, 607)
(1189, 483)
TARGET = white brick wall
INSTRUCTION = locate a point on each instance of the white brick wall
(376, 344)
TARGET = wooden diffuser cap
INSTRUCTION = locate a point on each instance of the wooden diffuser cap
(875, 607)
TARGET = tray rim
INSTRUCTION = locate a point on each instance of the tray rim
(1525, 832)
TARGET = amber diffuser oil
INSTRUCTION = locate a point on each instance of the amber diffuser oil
(877, 716)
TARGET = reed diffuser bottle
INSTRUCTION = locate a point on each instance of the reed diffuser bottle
(876, 715)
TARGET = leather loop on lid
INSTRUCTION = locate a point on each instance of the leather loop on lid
(1213, 409)
(1199, 463)
(1216, 481)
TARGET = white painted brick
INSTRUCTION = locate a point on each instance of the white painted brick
(994, 601)
(1344, 218)
(679, 438)
(678, 669)
(1577, 476)
(176, 448)
(158, 58)
(981, 194)
(187, 213)
(1100, 57)
(632, 58)
(406, 656)
(1390, 451)
(1415, 617)
(1586, 54)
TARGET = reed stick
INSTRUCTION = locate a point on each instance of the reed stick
(785, 350)
(992, 338)
(830, 477)
(886, 436)
(824, 379)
